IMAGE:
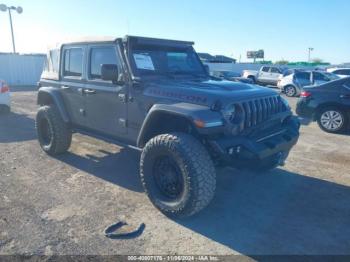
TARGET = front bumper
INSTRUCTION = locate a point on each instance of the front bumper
(242, 151)
(305, 108)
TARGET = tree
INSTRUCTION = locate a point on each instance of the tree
(282, 62)
(317, 60)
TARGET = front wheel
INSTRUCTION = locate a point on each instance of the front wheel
(332, 119)
(54, 135)
(177, 174)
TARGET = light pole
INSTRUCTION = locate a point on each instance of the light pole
(19, 10)
(310, 49)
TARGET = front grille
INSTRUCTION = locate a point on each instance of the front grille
(259, 110)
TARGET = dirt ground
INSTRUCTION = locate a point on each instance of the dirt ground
(61, 205)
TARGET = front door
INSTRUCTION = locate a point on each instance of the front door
(275, 73)
(264, 74)
(106, 107)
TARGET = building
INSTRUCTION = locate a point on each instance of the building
(208, 58)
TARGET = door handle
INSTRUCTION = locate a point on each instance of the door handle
(65, 87)
(89, 91)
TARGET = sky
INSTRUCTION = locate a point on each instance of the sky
(285, 29)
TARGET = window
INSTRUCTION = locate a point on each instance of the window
(303, 76)
(342, 72)
(54, 57)
(148, 60)
(275, 70)
(265, 69)
(320, 77)
(288, 72)
(100, 56)
(73, 62)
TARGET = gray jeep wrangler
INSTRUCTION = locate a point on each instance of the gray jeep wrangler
(155, 95)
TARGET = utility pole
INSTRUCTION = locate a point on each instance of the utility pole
(310, 49)
(19, 10)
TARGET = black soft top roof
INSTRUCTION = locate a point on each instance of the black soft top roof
(156, 41)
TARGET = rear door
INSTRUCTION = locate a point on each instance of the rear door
(73, 83)
(106, 106)
(275, 73)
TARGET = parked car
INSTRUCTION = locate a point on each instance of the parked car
(341, 72)
(156, 96)
(293, 83)
(231, 76)
(328, 104)
(267, 75)
(5, 101)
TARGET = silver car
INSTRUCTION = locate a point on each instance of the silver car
(294, 80)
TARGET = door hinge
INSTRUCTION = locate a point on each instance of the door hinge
(122, 97)
(122, 122)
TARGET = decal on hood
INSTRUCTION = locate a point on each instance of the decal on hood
(177, 95)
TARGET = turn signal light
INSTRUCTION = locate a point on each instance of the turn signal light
(305, 94)
(4, 89)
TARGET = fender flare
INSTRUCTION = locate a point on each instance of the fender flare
(185, 111)
(52, 95)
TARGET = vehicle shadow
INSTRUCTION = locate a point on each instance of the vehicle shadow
(278, 212)
(120, 168)
(16, 127)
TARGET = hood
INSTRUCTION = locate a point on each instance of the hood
(206, 92)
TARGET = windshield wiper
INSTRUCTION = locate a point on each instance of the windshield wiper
(186, 73)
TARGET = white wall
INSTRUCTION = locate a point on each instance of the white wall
(21, 70)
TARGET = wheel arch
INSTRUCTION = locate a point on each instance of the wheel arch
(162, 121)
(189, 118)
(332, 104)
(52, 96)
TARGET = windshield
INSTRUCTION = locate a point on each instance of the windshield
(165, 61)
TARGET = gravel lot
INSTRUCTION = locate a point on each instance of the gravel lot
(61, 205)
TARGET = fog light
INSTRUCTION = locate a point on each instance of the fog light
(234, 150)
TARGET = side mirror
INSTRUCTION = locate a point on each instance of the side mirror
(109, 72)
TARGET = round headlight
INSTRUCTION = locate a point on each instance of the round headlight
(229, 113)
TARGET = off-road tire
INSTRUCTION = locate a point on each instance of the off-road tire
(343, 114)
(197, 172)
(61, 134)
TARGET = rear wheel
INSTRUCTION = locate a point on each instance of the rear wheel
(252, 78)
(177, 174)
(332, 119)
(54, 135)
(290, 91)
